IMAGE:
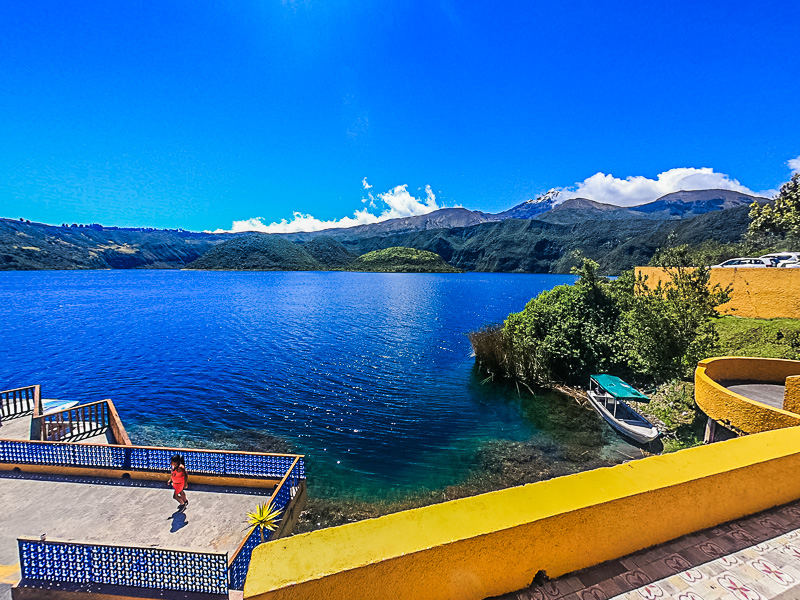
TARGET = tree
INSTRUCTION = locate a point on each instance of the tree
(565, 334)
(782, 216)
(668, 328)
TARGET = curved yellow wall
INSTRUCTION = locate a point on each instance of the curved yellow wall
(734, 410)
(791, 399)
(495, 543)
(757, 293)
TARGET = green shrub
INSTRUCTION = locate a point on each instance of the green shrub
(624, 326)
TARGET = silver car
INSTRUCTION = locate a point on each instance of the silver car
(745, 263)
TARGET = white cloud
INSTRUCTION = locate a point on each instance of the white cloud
(365, 184)
(632, 191)
(794, 165)
(396, 203)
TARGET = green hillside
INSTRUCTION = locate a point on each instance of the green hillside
(511, 245)
(34, 246)
(329, 252)
(401, 260)
(533, 246)
(257, 252)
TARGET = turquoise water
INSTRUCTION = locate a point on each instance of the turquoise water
(368, 374)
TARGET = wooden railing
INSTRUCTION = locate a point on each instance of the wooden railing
(19, 401)
(81, 422)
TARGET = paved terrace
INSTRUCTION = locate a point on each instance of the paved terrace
(770, 394)
(118, 511)
(121, 511)
(755, 558)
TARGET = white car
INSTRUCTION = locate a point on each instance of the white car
(783, 259)
(745, 263)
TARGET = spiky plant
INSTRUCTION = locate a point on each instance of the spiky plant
(265, 516)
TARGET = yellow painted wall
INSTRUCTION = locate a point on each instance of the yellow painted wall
(757, 293)
(791, 397)
(733, 410)
(495, 543)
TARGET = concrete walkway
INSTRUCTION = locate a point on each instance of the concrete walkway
(18, 428)
(755, 558)
(119, 512)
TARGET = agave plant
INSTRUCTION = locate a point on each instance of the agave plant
(265, 516)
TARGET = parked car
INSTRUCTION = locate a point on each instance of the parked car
(783, 259)
(745, 263)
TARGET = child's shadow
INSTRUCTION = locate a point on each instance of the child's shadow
(178, 521)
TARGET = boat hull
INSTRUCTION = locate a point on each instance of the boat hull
(644, 433)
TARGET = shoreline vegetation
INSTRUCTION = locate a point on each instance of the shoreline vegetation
(653, 336)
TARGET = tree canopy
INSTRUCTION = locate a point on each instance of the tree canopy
(782, 216)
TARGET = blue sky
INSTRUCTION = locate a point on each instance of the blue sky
(198, 114)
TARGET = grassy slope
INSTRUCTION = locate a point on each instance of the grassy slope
(771, 338)
(33, 246)
(329, 252)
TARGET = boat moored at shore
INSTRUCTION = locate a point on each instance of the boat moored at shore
(607, 395)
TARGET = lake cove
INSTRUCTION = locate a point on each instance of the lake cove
(368, 374)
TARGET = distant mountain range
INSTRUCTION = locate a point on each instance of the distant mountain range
(444, 218)
(549, 208)
(539, 236)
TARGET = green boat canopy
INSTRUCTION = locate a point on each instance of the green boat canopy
(618, 388)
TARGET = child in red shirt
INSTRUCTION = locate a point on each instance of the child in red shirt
(178, 481)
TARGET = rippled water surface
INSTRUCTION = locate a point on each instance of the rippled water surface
(368, 374)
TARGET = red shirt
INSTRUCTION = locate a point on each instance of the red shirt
(179, 476)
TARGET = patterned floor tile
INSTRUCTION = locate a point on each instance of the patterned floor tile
(757, 558)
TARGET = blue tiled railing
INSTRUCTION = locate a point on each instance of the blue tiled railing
(241, 562)
(153, 568)
(285, 493)
(281, 500)
(140, 458)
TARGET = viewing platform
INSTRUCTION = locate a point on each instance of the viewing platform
(86, 512)
(748, 395)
